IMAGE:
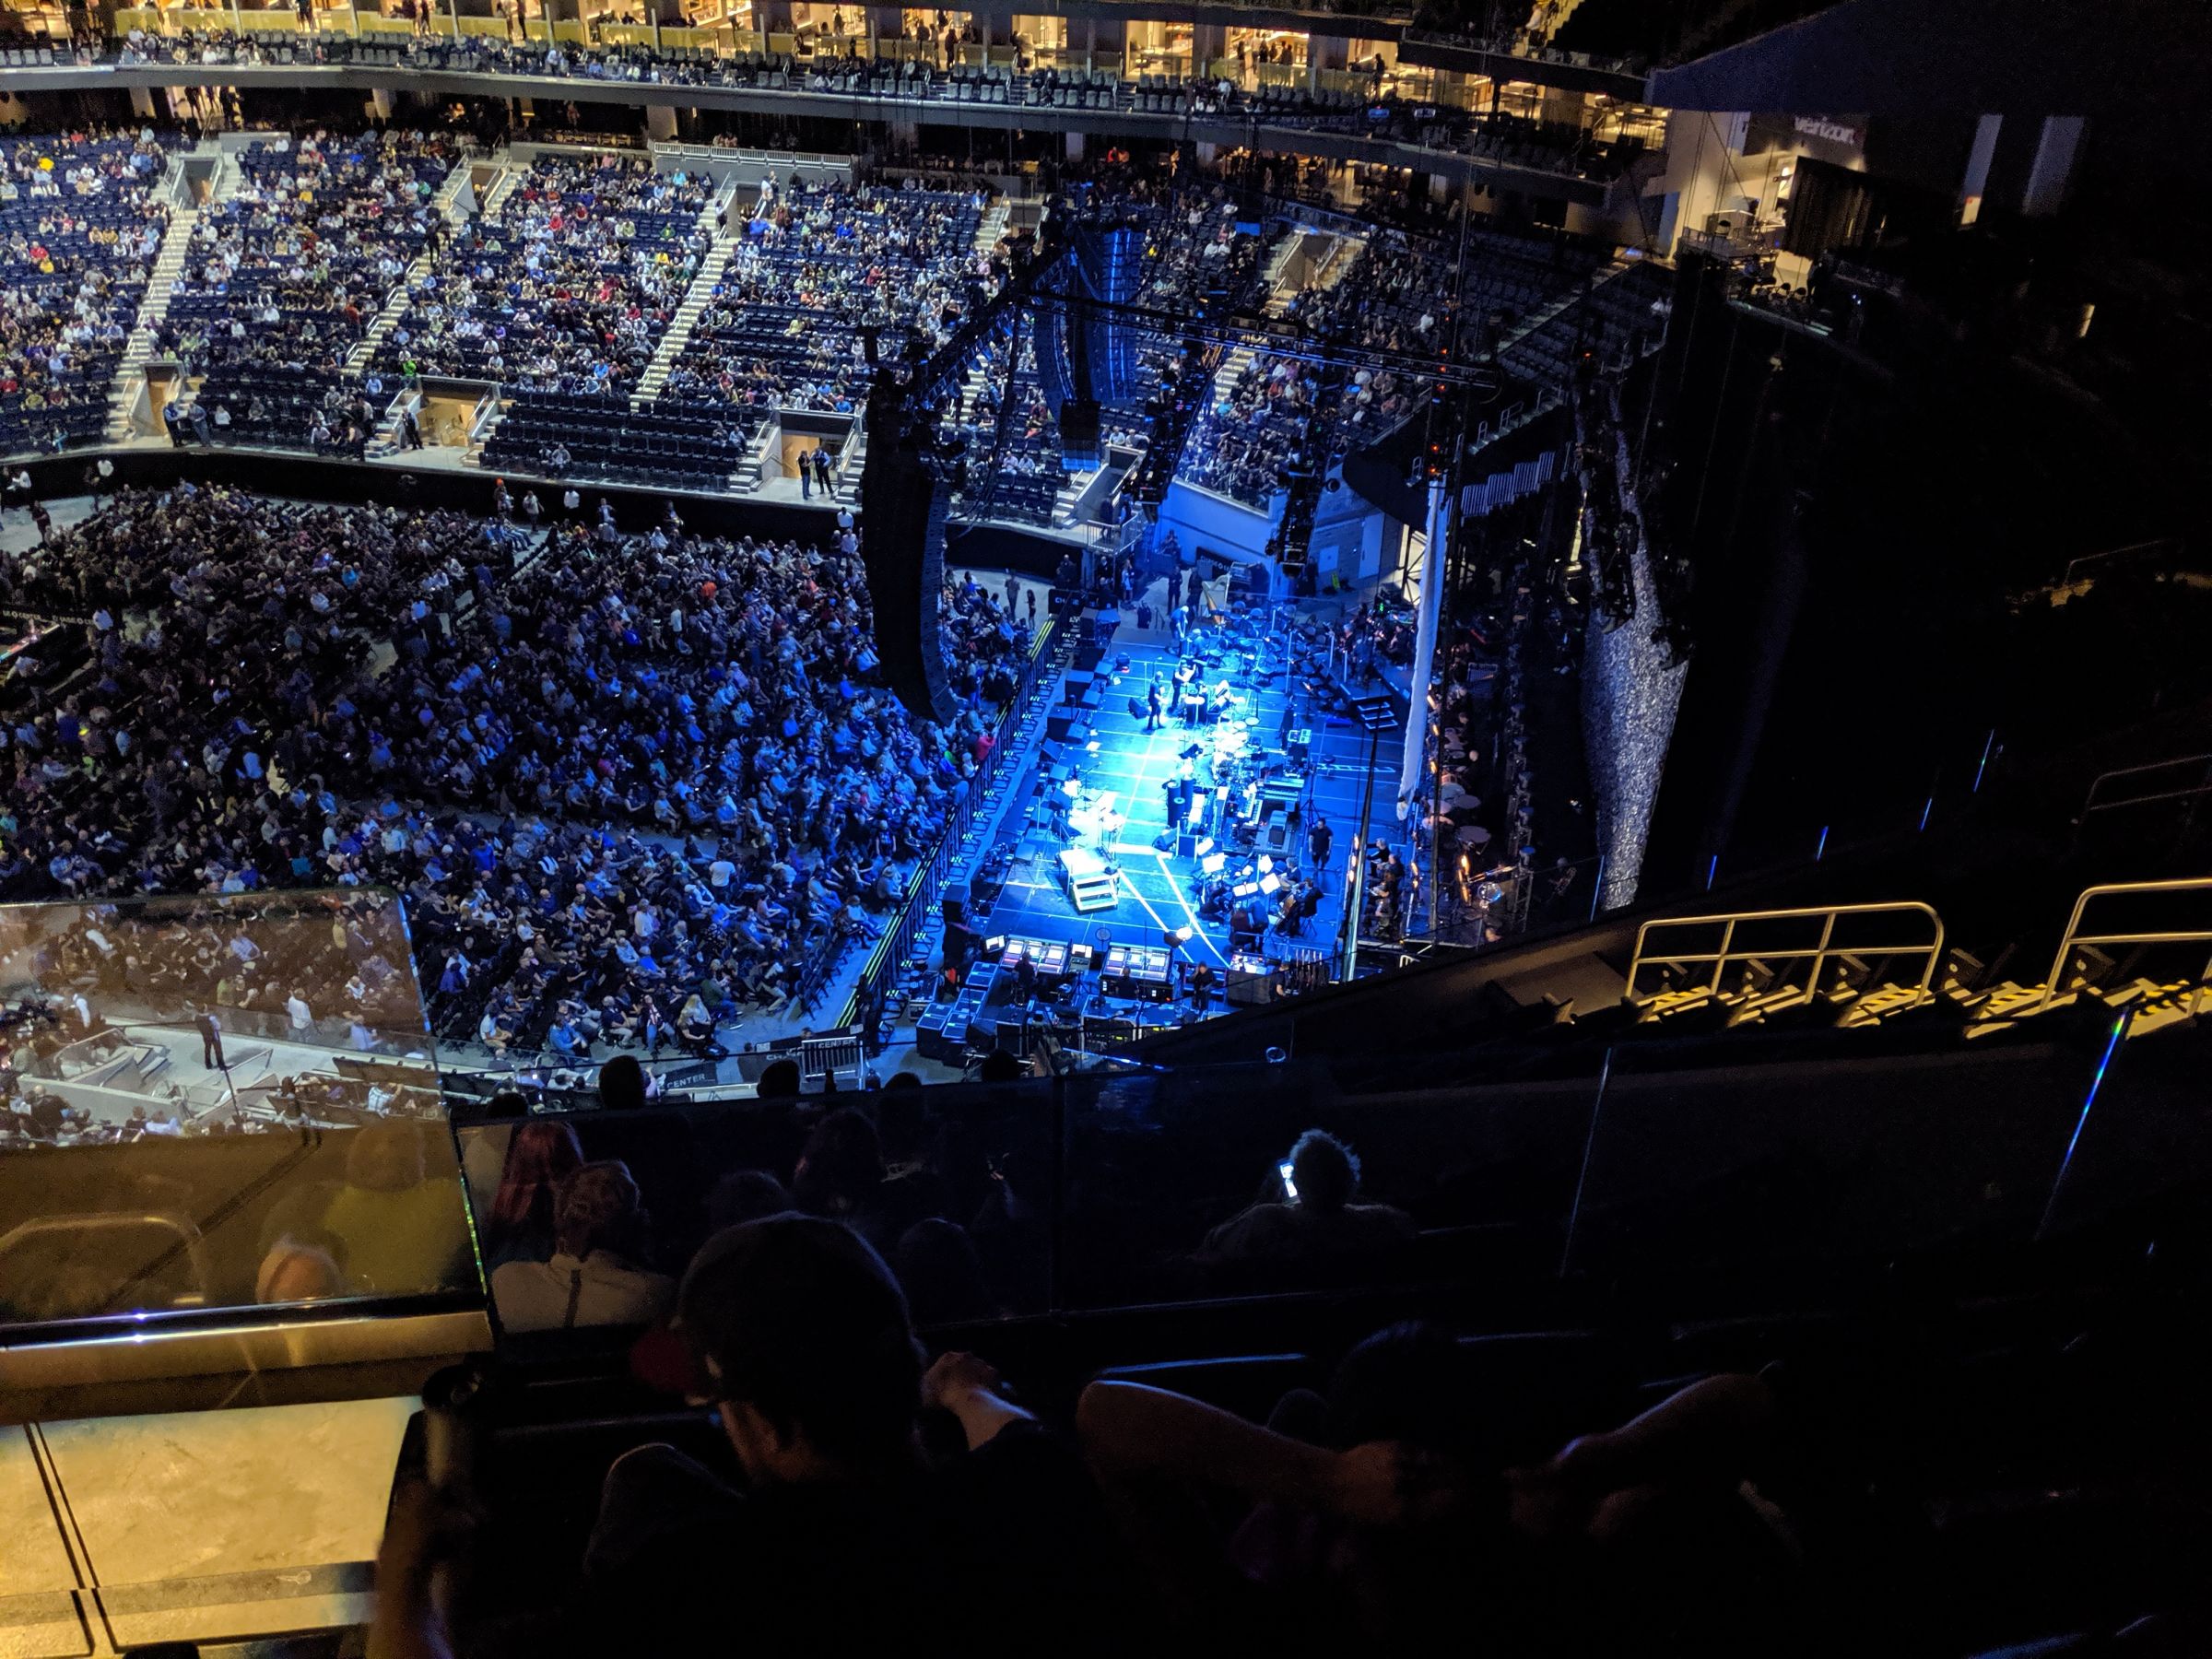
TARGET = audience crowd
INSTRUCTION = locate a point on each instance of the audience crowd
(564, 289)
(1373, 108)
(818, 266)
(81, 222)
(564, 285)
(284, 276)
(635, 779)
(1342, 1508)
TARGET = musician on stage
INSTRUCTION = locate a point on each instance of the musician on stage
(1190, 691)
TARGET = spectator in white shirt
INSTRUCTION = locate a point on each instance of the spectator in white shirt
(593, 1277)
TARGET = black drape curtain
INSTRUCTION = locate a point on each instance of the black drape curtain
(1830, 208)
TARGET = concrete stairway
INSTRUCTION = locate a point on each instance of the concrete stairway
(448, 199)
(678, 338)
(395, 307)
(153, 305)
(973, 384)
(224, 180)
(713, 219)
(1535, 319)
(1070, 495)
(1281, 261)
(505, 185)
(750, 472)
(993, 224)
(855, 462)
(448, 203)
(1231, 370)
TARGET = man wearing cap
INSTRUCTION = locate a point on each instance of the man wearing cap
(839, 1541)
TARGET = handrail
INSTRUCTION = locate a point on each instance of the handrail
(189, 1239)
(1818, 954)
(1334, 131)
(2090, 802)
(2073, 936)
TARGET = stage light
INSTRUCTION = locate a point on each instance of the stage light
(1182, 936)
(1267, 862)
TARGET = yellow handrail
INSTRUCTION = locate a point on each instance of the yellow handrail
(1819, 953)
(2073, 936)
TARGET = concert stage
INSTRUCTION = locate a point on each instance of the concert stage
(1276, 748)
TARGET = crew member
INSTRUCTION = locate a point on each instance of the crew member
(211, 1043)
(1201, 986)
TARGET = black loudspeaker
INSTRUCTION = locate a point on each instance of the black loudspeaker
(957, 939)
(1079, 442)
(903, 546)
(955, 909)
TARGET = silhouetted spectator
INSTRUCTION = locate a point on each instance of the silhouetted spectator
(622, 1084)
(841, 1168)
(402, 1225)
(746, 1196)
(840, 1541)
(1315, 1219)
(519, 1225)
(942, 1274)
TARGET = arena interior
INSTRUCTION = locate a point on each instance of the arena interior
(1413, 794)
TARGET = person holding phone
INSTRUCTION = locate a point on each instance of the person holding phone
(1316, 1219)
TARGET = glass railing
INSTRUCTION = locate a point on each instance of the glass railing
(219, 1102)
(1615, 1163)
(1416, 111)
(226, 1106)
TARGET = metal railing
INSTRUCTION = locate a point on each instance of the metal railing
(897, 941)
(2189, 775)
(78, 1231)
(1815, 956)
(2075, 939)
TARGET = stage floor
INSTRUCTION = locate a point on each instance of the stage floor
(1159, 891)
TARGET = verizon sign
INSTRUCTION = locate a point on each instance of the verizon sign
(1831, 131)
